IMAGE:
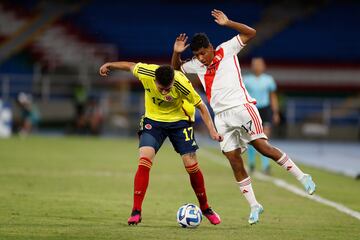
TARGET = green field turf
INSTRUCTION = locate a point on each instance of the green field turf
(81, 188)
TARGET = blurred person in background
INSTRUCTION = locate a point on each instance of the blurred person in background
(93, 116)
(89, 115)
(29, 114)
(236, 116)
(262, 87)
(170, 102)
(80, 98)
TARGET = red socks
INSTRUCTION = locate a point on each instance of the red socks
(141, 182)
(197, 183)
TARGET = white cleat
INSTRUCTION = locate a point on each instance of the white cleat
(256, 210)
(308, 184)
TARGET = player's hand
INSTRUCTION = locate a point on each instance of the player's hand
(180, 43)
(104, 69)
(276, 118)
(217, 137)
(220, 17)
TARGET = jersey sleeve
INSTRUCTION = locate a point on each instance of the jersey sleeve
(145, 72)
(234, 45)
(189, 66)
(186, 88)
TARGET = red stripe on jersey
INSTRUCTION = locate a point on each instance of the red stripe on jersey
(241, 81)
(252, 117)
(211, 71)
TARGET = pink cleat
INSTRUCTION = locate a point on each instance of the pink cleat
(135, 217)
(212, 216)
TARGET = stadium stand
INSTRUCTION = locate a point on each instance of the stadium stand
(128, 30)
(325, 36)
(48, 47)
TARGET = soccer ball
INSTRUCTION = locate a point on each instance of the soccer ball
(189, 216)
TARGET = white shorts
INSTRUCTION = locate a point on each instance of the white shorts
(239, 126)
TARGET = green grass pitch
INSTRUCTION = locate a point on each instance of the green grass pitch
(81, 188)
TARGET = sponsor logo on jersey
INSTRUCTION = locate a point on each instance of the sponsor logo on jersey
(148, 126)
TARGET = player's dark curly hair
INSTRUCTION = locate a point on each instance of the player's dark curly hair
(164, 75)
(199, 40)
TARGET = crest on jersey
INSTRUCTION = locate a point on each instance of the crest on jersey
(168, 98)
(148, 126)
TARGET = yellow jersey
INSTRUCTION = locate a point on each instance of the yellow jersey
(178, 104)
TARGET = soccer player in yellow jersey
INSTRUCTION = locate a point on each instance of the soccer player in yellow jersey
(170, 102)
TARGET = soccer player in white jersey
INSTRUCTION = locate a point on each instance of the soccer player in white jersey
(236, 116)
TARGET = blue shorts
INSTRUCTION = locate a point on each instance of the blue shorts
(181, 134)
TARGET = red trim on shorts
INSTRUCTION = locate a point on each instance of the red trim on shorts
(248, 108)
(255, 118)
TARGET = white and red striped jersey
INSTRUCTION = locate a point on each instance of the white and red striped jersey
(222, 81)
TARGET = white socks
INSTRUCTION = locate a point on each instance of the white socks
(247, 191)
(290, 166)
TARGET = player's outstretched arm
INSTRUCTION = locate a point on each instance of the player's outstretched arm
(179, 47)
(246, 32)
(107, 67)
(205, 115)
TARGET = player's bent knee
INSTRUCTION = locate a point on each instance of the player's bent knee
(189, 159)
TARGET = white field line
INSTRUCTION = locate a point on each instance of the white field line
(282, 184)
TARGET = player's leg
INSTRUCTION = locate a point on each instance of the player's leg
(266, 118)
(281, 158)
(196, 178)
(198, 184)
(183, 139)
(141, 182)
(228, 125)
(265, 162)
(244, 182)
(258, 139)
(150, 141)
